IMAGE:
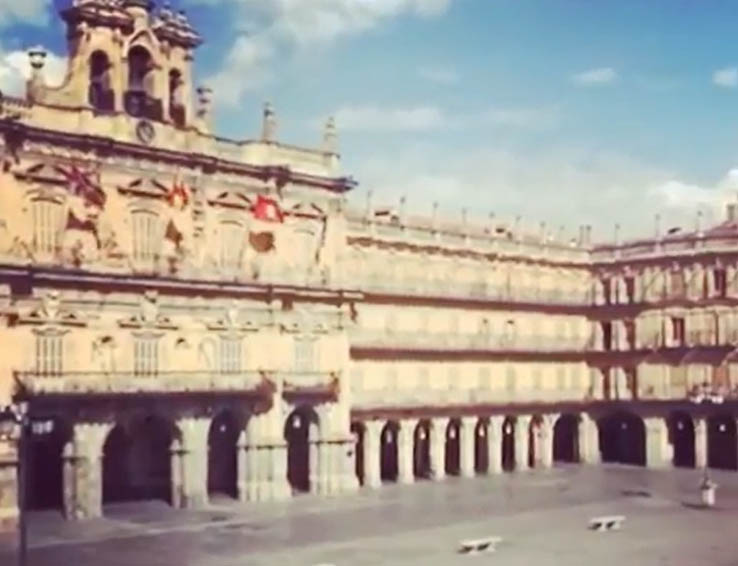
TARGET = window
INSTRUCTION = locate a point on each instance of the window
(47, 217)
(630, 288)
(145, 235)
(678, 285)
(607, 336)
(606, 290)
(678, 333)
(305, 355)
(231, 244)
(145, 356)
(720, 282)
(630, 334)
(49, 354)
(230, 355)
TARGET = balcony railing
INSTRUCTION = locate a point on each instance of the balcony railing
(436, 341)
(447, 396)
(131, 383)
(479, 290)
(140, 105)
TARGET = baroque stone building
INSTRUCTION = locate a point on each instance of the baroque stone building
(204, 316)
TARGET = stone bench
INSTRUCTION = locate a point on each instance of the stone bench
(474, 546)
(606, 523)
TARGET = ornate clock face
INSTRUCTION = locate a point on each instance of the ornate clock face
(145, 132)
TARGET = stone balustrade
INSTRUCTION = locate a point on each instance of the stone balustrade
(428, 340)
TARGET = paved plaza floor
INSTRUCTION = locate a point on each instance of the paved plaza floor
(542, 517)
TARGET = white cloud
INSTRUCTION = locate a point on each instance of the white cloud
(26, 11)
(15, 69)
(286, 25)
(564, 186)
(599, 76)
(727, 77)
(424, 118)
(374, 119)
(440, 75)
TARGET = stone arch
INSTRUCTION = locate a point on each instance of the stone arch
(358, 430)
(45, 465)
(140, 66)
(421, 450)
(175, 92)
(722, 443)
(566, 439)
(508, 444)
(622, 437)
(388, 456)
(223, 436)
(137, 463)
(452, 448)
(481, 446)
(301, 429)
(681, 437)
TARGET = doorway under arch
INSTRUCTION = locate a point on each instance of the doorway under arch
(452, 448)
(722, 448)
(223, 435)
(45, 467)
(300, 431)
(622, 438)
(388, 456)
(137, 461)
(681, 433)
(481, 447)
(566, 439)
(421, 450)
(508, 444)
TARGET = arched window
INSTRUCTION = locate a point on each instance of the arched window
(47, 217)
(140, 98)
(176, 98)
(100, 93)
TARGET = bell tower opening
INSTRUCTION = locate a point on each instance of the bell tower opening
(140, 99)
(100, 93)
(177, 105)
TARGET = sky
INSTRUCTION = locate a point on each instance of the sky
(559, 111)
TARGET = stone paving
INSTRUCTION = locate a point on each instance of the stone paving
(542, 517)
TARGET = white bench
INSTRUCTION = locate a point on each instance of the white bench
(606, 523)
(474, 546)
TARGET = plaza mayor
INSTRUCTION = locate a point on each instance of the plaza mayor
(184, 316)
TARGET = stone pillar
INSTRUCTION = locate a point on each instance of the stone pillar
(349, 482)
(324, 466)
(589, 441)
(405, 451)
(546, 440)
(700, 442)
(314, 458)
(372, 450)
(86, 484)
(467, 444)
(280, 487)
(242, 469)
(494, 444)
(658, 450)
(438, 430)
(522, 428)
(194, 462)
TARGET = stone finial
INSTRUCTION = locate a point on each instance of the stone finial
(560, 234)
(205, 104)
(369, 195)
(731, 211)
(434, 215)
(516, 227)
(543, 231)
(330, 136)
(269, 125)
(36, 83)
(401, 212)
(616, 235)
(463, 217)
(698, 224)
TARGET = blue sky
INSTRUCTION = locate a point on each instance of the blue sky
(562, 111)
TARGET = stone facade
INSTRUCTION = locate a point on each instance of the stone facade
(200, 315)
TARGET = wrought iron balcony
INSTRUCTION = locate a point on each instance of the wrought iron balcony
(106, 383)
(140, 105)
(456, 341)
